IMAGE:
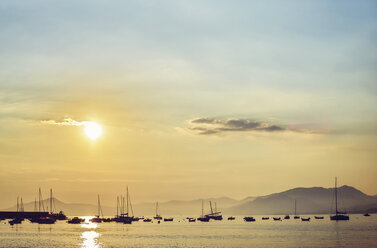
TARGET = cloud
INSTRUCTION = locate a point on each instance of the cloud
(65, 122)
(208, 126)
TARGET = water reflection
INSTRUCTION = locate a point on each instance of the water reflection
(90, 239)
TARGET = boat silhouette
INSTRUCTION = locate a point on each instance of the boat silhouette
(249, 219)
(338, 215)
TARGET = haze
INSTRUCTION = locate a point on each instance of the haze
(195, 98)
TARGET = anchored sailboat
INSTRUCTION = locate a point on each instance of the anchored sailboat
(296, 216)
(98, 219)
(338, 215)
(158, 216)
(203, 218)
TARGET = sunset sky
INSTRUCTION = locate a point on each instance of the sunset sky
(195, 98)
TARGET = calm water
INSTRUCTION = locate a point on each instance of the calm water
(360, 231)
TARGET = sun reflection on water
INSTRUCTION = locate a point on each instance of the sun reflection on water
(90, 239)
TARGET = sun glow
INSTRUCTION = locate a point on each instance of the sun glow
(92, 130)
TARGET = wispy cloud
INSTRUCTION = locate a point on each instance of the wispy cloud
(208, 126)
(65, 122)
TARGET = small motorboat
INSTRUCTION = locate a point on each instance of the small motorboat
(147, 220)
(265, 218)
(75, 220)
(231, 218)
(16, 221)
(366, 214)
(318, 217)
(191, 219)
(168, 219)
(276, 218)
(203, 219)
(287, 217)
(296, 217)
(305, 219)
(96, 220)
(249, 219)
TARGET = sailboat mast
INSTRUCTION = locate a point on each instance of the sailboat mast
(51, 201)
(210, 204)
(336, 197)
(39, 200)
(127, 201)
(117, 206)
(156, 208)
(202, 208)
(98, 206)
(17, 203)
(35, 204)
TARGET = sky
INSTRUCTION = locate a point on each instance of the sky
(196, 99)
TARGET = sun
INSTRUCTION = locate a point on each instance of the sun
(92, 130)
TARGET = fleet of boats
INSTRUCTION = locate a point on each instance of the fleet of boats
(125, 214)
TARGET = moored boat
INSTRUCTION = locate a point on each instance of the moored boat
(75, 220)
(168, 219)
(338, 215)
(249, 219)
(305, 219)
(231, 218)
(318, 217)
(265, 218)
(276, 218)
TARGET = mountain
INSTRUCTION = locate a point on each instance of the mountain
(315, 200)
(309, 200)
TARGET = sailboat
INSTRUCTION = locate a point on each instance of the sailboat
(215, 215)
(98, 219)
(296, 216)
(43, 220)
(338, 215)
(158, 216)
(56, 216)
(203, 218)
(124, 217)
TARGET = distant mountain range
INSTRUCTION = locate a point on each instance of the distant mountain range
(314, 200)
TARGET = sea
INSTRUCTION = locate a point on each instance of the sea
(359, 231)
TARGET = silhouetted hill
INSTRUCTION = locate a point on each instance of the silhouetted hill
(309, 200)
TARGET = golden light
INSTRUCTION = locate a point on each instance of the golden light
(92, 130)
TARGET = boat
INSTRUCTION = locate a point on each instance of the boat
(157, 217)
(296, 216)
(305, 219)
(15, 221)
(318, 217)
(75, 220)
(338, 215)
(276, 218)
(265, 218)
(46, 220)
(249, 219)
(147, 220)
(287, 217)
(366, 214)
(203, 218)
(124, 217)
(231, 218)
(56, 216)
(97, 219)
(191, 219)
(168, 219)
(215, 215)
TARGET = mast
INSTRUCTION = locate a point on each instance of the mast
(98, 207)
(51, 200)
(127, 202)
(210, 204)
(117, 206)
(156, 209)
(22, 205)
(215, 208)
(35, 204)
(336, 197)
(202, 209)
(39, 200)
(17, 204)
